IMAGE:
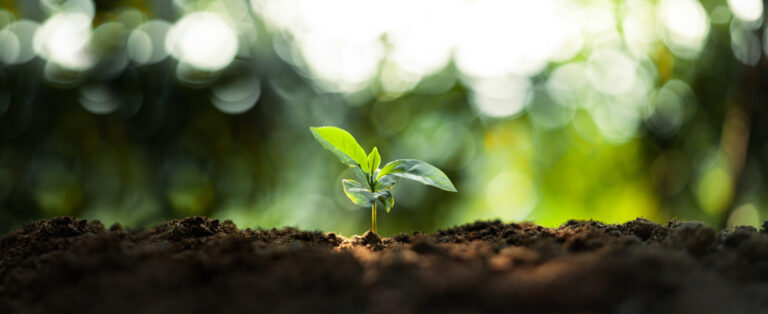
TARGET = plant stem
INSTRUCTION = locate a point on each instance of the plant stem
(373, 217)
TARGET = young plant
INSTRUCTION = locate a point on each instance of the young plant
(375, 184)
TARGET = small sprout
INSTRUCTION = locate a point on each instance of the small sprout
(375, 184)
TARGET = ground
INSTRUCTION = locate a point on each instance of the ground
(200, 265)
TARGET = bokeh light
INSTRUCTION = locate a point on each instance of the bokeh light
(685, 26)
(139, 111)
(63, 39)
(146, 44)
(202, 39)
(747, 10)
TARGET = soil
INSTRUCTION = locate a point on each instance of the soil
(200, 265)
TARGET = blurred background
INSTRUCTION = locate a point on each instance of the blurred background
(139, 111)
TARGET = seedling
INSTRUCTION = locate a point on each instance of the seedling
(376, 184)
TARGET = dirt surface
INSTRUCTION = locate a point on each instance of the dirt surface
(199, 265)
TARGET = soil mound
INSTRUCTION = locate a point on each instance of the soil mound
(200, 265)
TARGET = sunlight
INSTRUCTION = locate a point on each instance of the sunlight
(422, 39)
(339, 41)
(501, 97)
(747, 10)
(507, 37)
(685, 26)
(204, 40)
(638, 27)
(341, 65)
(611, 72)
(63, 39)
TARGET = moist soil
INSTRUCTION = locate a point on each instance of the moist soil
(200, 265)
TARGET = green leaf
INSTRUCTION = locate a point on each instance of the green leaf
(415, 170)
(362, 175)
(342, 145)
(387, 200)
(374, 160)
(386, 182)
(361, 195)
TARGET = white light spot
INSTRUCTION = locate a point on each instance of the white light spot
(338, 40)
(504, 37)
(203, 40)
(639, 27)
(421, 54)
(747, 10)
(611, 72)
(423, 39)
(598, 18)
(685, 26)
(618, 115)
(499, 98)
(346, 20)
(572, 40)
(617, 121)
(395, 80)
(63, 39)
(567, 85)
(340, 65)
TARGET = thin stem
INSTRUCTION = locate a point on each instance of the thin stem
(373, 208)
(373, 217)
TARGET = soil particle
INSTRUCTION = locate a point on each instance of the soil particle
(370, 238)
(696, 237)
(402, 237)
(201, 265)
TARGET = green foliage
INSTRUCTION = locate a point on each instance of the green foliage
(342, 145)
(374, 160)
(415, 170)
(376, 183)
(361, 195)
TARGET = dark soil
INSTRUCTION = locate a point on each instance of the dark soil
(198, 265)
